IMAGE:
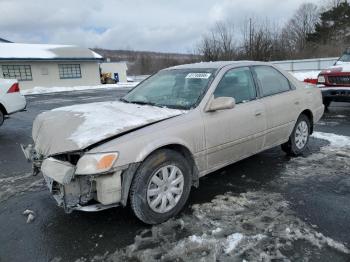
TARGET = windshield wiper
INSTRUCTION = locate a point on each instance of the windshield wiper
(124, 100)
(144, 103)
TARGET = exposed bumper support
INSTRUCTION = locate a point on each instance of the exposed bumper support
(94, 207)
(32, 156)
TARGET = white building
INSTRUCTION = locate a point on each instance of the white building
(116, 69)
(49, 65)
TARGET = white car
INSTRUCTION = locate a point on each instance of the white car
(11, 100)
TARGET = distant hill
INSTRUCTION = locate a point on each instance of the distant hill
(143, 62)
(2, 40)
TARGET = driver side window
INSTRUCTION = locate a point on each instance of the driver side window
(237, 83)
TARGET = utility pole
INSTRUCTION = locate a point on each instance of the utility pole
(250, 39)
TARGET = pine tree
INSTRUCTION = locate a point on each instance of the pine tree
(334, 26)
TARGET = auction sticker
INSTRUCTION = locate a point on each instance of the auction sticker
(199, 75)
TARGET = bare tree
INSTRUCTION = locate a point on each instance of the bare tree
(219, 44)
(301, 25)
(260, 40)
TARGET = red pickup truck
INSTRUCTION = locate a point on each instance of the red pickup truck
(335, 81)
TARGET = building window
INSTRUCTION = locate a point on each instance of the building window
(69, 71)
(19, 72)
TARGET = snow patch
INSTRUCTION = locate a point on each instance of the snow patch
(335, 140)
(97, 117)
(232, 242)
(30, 215)
(19, 184)
(253, 226)
(35, 51)
(46, 90)
(301, 76)
(196, 239)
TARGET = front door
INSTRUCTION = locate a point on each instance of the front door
(234, 133)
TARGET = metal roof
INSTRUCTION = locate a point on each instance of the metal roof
(33, 52)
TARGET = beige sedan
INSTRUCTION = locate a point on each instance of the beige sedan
(178, 125)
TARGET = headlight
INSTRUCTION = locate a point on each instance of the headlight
(91, 164)
(321, 79)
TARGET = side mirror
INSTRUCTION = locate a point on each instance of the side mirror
(221, 103)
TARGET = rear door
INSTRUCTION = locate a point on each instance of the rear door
(232, 134)
(281, 101)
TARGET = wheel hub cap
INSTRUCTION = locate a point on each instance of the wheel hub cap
(165, 189)
(301, 134)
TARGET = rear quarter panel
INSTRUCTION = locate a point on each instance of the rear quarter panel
(12, 102)
(312, 100)
(309, 95)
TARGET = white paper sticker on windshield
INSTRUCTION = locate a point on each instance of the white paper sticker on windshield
(198, 75)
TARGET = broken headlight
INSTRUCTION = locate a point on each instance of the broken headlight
(91, 164)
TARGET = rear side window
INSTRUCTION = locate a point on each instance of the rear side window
(237, 83)
(271, 81)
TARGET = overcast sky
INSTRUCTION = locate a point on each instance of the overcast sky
(154, 25)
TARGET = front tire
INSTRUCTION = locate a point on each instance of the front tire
(161, 187)
(299, 138)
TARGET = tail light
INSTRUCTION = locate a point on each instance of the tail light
(14, 88)
(310, 81)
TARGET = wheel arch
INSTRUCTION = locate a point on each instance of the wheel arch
(3, 109)
(129, 173)
(308, 113)
(187, 154)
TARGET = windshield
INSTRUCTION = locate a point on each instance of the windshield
(345, 58)
(178, 88)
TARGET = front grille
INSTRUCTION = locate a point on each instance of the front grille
(72, 158)
(339, 80)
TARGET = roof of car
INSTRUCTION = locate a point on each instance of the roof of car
(216, 65)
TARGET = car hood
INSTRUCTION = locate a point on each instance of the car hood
(77, 127)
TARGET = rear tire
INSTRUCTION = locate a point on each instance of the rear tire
(2, 118)
(161, 186)
(299, 138)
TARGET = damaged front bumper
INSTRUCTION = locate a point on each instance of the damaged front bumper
(76, 192)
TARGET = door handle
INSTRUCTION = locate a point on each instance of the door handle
(258, 113)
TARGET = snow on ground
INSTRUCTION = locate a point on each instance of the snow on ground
(301, 76)
(252, 226)
(335, 140)
(10, 186)
(46, 90)
(331, 162)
